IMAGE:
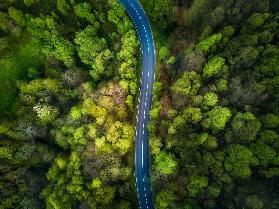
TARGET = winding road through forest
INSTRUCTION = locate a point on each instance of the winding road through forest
(142, 170)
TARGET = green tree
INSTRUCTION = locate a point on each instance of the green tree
(165, 199)
(160, 11)
(17, 16)
(239, 161)
(264, 153)
(165, 163)
(196, 12)
(63, 7)
(209, 44)
(187, 85)
(210, 99)
(197, 185)
(83, 10)
(270, 121)
(217, 118)
(215, 66)
(257, 20)
(94, 51)
(244, 128)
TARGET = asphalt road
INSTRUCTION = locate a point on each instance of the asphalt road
(142, 171)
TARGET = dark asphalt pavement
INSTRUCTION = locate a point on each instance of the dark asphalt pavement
(142, 170)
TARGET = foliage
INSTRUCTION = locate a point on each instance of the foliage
(239, 160)
(69, 73)
(165, 163)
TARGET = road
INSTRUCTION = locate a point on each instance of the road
(148, 53)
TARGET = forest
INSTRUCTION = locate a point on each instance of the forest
(69, 77)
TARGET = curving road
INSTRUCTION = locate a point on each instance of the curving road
(142, 173)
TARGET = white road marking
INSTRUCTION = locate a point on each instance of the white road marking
(147, 86)
(142, 154)
(148, 74)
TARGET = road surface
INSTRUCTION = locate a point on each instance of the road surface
(142, 171)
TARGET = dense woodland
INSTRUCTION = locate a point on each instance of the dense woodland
(69, 77)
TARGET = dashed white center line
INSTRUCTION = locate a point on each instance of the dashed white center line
(142, 154)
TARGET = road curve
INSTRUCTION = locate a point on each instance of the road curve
(142, 171)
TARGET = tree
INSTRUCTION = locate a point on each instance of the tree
(239, 160)
(63, 7)
(94, 51)
(210, 99)
(192, 115)
(197, 185)
(121, 137)
(192, 60)
(83, 10)
(160, 11)
(257, 20)
(196, 12)
(165, 163)
(29, 2)
(4, 22)
(163, 53)
(6, 153)
(264, 153)
(187, 85)
(53, 44)
(46, 113)
(216, 17)
(270, 121)
(165, 199)
(244, 128)
(17, 16)
(209, 44)
(217, 118)
(215, 66)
